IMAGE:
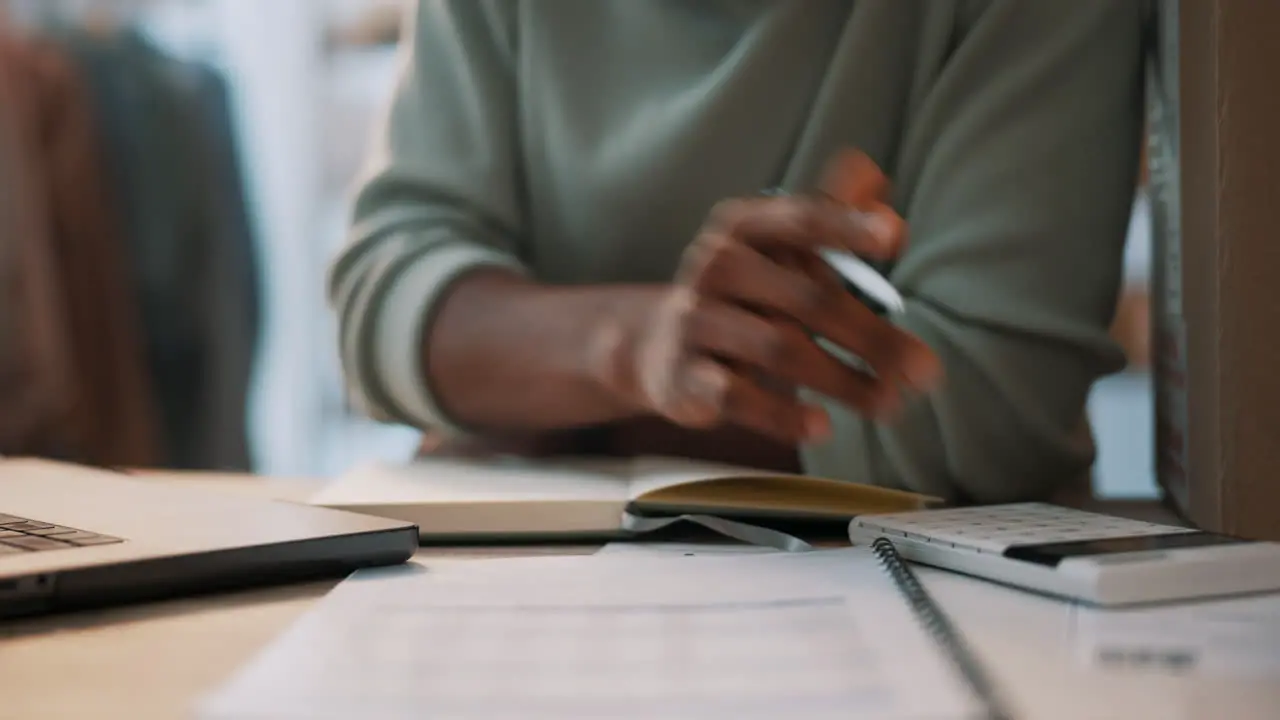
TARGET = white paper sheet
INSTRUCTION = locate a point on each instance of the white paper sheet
(1238, 637)
(450, 481)
(660, 549)
(816, 635)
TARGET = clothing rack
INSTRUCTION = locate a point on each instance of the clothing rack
(378, 24)
(127, 255)
(36, 13)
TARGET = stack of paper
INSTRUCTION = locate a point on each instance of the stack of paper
(815, 635)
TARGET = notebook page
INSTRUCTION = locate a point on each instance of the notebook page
(448, 481)
(652, 473)
(680, 483)
(620, 637)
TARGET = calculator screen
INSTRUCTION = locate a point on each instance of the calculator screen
(1054, 553)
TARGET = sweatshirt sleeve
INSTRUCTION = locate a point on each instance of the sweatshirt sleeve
(1016, 176)
(438, 199)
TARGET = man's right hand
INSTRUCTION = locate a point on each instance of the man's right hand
(737, 332)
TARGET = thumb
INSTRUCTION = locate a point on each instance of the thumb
(852, 178)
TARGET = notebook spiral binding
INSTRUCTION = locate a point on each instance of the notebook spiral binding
(938, 626)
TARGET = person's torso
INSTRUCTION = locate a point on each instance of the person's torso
(637, 117)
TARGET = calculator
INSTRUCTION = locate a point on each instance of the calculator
(1083, 556)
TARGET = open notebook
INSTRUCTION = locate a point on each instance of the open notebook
(450, 498)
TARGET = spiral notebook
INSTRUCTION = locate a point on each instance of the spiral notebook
(820, 634)
(935, 621)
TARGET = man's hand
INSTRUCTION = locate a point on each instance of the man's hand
(737, 331)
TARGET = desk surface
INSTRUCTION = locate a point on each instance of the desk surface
(153, 661)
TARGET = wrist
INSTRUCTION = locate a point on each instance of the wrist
(612, 336)
(507, 353)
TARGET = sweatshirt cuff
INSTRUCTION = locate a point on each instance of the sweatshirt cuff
(408, 308)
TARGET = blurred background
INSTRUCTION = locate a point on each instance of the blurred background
(178, 318)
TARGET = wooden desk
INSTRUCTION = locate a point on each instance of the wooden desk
(154, 661)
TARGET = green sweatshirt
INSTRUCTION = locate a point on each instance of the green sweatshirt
(583, 141)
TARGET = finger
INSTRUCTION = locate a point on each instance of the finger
(816, 269)
(845, 319)
(853, 178)
(893, 355)
(784, 351)
(738, 274)
(723, 268)
(745, 403)
(805, 222)
(884, 221)
(807, 263)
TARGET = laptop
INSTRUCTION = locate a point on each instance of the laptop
(74, 538)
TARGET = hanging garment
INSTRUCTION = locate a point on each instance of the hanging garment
(173, 159)
(72, 379)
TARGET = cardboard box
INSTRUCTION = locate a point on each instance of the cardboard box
(1214, 151)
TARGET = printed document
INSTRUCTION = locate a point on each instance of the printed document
(814, 635)
(1237, 637)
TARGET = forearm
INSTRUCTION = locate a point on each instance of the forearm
(503, 353)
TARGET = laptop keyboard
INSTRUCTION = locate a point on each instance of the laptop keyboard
(23, 535)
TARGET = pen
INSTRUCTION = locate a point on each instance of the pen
(872, 288)
(864, 281)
